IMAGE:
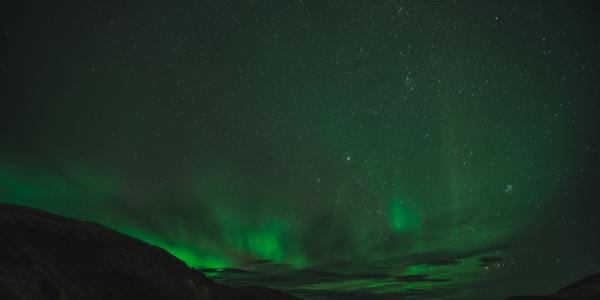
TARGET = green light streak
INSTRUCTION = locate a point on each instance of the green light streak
(190, 255)
(401, 218)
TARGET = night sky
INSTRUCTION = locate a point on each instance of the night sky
(331, 149)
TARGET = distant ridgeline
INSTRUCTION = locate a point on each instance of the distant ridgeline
(45, 256)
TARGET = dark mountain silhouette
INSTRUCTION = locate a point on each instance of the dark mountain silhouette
(45, 256)
(584, 289)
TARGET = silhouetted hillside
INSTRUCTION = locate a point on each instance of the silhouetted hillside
(584, 289)
(45, 256)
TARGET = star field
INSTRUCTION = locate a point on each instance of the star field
(331, 149)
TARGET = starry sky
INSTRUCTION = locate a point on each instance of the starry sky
(331, 149)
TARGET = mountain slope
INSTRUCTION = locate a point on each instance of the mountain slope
(45, 256)
(587, 288)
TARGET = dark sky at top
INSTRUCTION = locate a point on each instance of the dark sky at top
(333, 149)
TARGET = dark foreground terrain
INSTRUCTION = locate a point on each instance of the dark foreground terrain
(44, 256)
(584, 289)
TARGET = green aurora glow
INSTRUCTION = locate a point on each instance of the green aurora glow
(335, 150)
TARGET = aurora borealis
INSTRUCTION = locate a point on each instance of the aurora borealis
(331, 149)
